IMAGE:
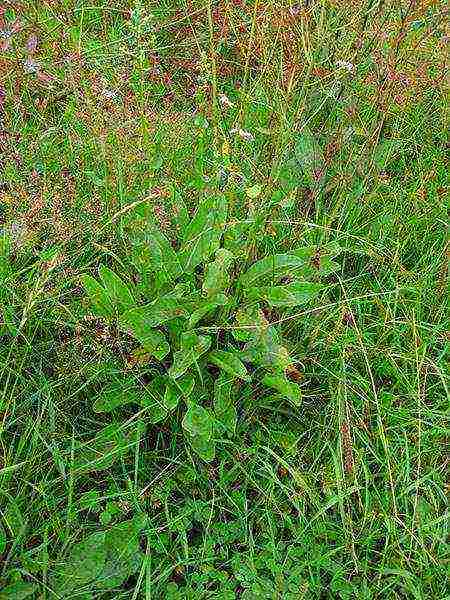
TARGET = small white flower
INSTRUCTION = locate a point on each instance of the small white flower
(109, 94)
(345, 64)
(225, 101)
(31, 66)
(245, 135)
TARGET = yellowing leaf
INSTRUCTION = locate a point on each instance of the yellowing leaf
(217, 279)
(254, 191)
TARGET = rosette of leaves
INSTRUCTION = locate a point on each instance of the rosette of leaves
(198, 309)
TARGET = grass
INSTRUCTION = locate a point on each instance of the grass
(106, 109)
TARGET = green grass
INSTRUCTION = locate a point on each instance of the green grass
(123, 114)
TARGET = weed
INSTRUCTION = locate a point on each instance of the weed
(176, 178)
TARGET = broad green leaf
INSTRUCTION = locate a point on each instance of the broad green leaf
(2, 539)
(205, 448)
(207, 306)
(386, 152)
(117, 569)
(198, 421)
(162, 256)
(82, 565)
(318, 260)
(110, 443)
(217, 278)
(18, 591)
(263, 347)
(117, 394)
(292, 294)
(13, 518)
(179, 211)
(98, 297)
(267, 351)
(185, 385)
(202, 236)
(117, 290)
(224, 409)
(171, 396)
(155, 413)
(230, 363)
(177, 390)
(137, 321)
(192, 347)
(153, 399)
(123, 557)
(286, 440)
(286, 388)
(273, 267)
(162, 310)
(309, 157)
(198, 425)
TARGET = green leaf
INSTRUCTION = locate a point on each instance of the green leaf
(267, 351)
(137, 322)
(98, 297)
(171, 396)
(192, 347)
(109, 444)
(273, 267)
(117, 394)
(118, 292)
(286, 388)
(143, 318)
(318, 260)
(153, 399)
(202, 236)
(162, 256)
(224, 409)
(206, 307)
(178, 389)
(386, 152)
(198, 425)
(123, 557)
(235, 237)
(250, 324)
(309, 157)
(178, 210)
(217, 278)
(263, 347)
(18, 591)
(82, 565)
(198, 421)
(293, 294)
(230, 363)
(205, 448)
(2, 539)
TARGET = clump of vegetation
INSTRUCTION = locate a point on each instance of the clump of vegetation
(200, 308)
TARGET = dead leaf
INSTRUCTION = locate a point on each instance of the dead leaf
(44, 77)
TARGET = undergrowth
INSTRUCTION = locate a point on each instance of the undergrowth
(223, 277)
